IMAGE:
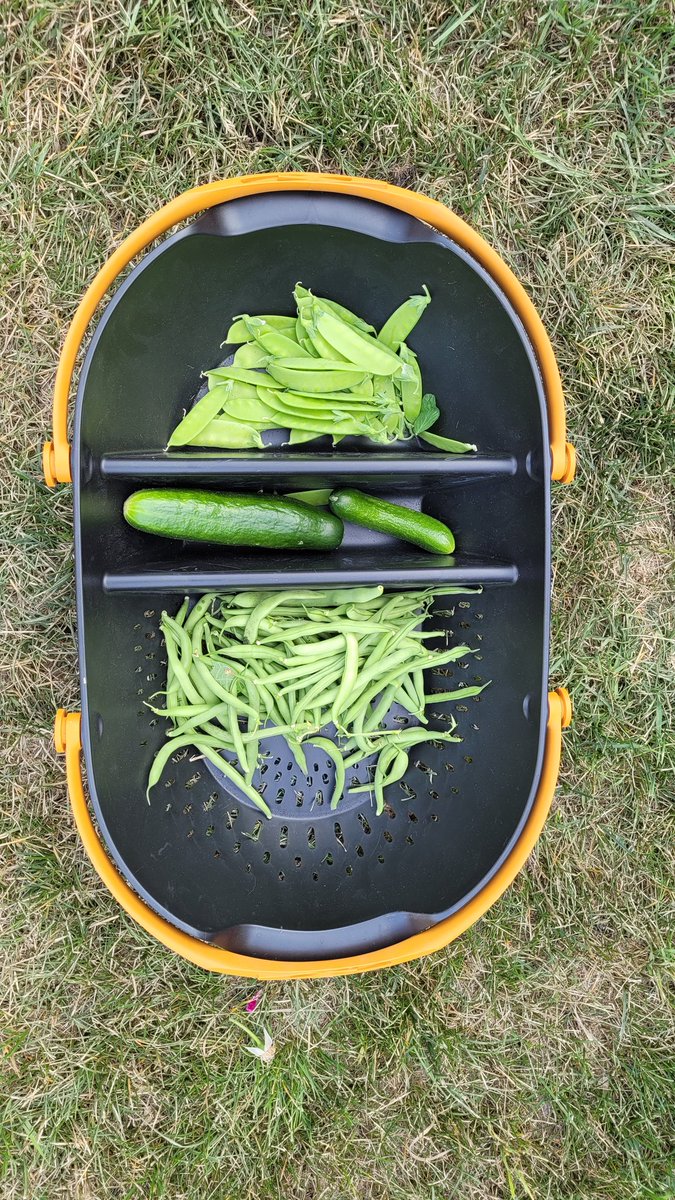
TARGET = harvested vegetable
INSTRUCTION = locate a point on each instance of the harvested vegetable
(233, 519)
(318, 667)
(395, 519)
(326, 371)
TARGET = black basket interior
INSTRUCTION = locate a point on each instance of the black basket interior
(312, 883)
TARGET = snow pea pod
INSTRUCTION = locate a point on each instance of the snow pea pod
(242, 375)
(358, 348)
(203, 412)
(274, 343)
(449, 444)
(250, 410)
(250, 355)
(239, 332)
(403, 320)
(411, 389)
(228, 435)
(345, 314)
(317, 375)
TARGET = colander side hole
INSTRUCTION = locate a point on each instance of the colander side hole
(360, 851)
(281, 877)
(255, 832)
(266, 856)
(380, 858)
(311, 838)
(339, 837)
(328, 859)
(387, 836)
(297, 861)
(314, 876)
(349, 870)
(283, 837)
(364, 823)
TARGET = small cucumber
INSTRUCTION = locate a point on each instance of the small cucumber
(394, 519)
(227, 519)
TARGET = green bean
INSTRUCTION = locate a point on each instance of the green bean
(198, 611)
(371, 720)
(458, 694)
(237, 739)
(208, 678)
(178, 711)
(176, 653)
(171, 681)
(266, 606)
(200, 717)
(325, 647)
(164, 754)
(351, 670)
(298, 754)
(342, 672)
(333, 753)
(229, 771)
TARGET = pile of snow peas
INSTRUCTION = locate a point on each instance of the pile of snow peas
(323, 371)
(320, 667)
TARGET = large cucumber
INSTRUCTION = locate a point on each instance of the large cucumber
(229, 519)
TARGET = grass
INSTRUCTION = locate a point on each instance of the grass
(533, 1059)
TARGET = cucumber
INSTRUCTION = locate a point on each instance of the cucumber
(394, 519)
(233, 520)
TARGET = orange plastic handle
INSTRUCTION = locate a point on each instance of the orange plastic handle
(56, 454)
(67, 739)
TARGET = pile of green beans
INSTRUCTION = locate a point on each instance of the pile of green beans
(319, 667)
(323, 371)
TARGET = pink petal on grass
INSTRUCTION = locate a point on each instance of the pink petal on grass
(253, 1003)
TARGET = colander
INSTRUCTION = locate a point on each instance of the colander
(313, 892)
